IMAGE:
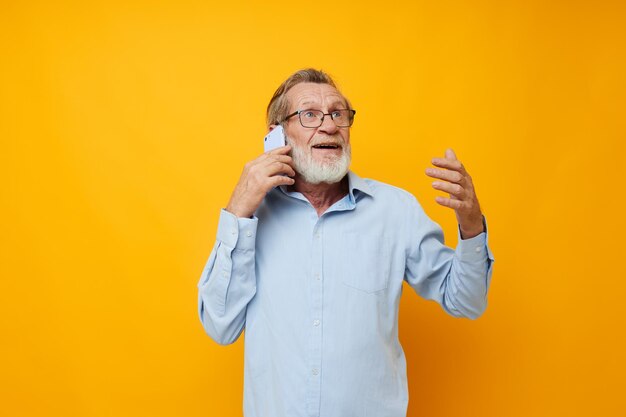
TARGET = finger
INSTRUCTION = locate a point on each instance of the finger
(265, 160)
(450, 154)
(286, 159)
(448, 202)
(277, 167)
(451, 176)
(453, 164)
(452, 189)
(267, 166)
(283, 150)
(281, 180)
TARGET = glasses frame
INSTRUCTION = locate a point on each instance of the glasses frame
(299, 112)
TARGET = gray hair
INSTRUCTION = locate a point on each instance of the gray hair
(278, 107)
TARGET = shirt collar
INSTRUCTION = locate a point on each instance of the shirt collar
(356, 185)
(359, 184)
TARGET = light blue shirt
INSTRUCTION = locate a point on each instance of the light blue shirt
(319, 297)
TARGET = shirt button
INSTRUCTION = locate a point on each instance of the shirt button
(225, 274)
(249, 234)
(477, 249)
(317, 235)
(233, 231)
(317, 277)
(315, 372)
(316, 323)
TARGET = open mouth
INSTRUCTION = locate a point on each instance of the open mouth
(326, 146)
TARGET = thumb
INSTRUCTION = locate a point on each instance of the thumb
(450, 154)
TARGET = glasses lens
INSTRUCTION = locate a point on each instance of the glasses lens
(311, 118)
(342, 118)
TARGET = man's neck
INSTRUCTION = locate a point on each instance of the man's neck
(323, 195)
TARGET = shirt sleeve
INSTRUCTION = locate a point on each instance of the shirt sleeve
(228, 281)
(457, 279)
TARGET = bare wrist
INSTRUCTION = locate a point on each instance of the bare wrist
(473, 230)
(238, 213)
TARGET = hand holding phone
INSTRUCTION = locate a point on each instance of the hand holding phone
(274, 139)
(259, 176)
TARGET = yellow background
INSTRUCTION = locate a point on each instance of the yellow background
(125, 125)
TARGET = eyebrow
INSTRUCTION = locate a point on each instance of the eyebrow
(334, 103)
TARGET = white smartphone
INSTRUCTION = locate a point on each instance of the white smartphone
(274, 139)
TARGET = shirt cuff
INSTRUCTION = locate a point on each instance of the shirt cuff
(237, 233)
(475, 248)
(472, 249)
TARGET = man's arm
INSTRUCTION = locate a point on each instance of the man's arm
(228, 281)
(458, 280)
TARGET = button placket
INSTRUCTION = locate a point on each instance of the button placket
(316, 297)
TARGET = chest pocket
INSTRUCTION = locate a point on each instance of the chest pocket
(367, 262)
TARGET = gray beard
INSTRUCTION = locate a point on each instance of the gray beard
(313, 172)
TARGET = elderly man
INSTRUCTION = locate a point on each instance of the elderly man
(310, 259)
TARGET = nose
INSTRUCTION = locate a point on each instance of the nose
(328, 125)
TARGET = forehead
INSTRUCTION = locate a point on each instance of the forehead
(306, 94)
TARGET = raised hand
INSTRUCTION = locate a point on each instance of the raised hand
(258, 177)
(453, 179)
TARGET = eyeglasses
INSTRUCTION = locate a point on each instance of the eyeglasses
(315, 118)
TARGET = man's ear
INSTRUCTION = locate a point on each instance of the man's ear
(271, 128)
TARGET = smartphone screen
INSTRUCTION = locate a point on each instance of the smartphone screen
(274, 139)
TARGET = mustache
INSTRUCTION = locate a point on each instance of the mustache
(328, 140)
(336, 140)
